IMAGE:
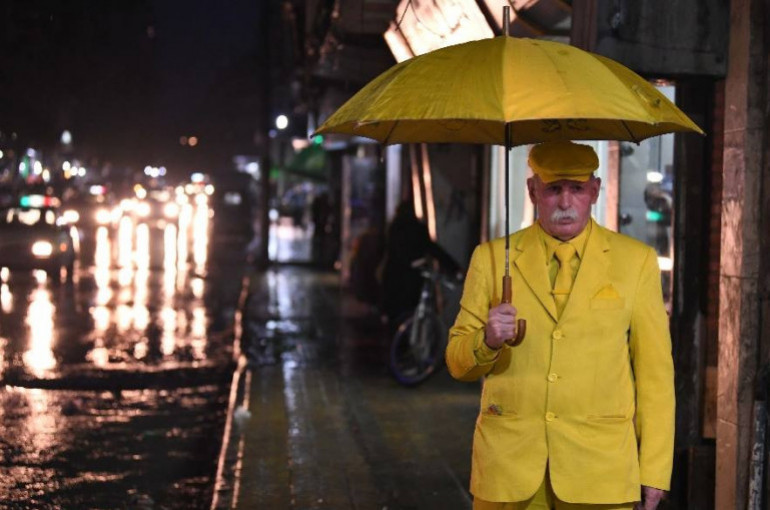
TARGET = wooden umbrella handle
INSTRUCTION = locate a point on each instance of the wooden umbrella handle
(521, 324)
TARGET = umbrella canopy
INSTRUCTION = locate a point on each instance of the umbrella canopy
(508, 91)
(544, 90)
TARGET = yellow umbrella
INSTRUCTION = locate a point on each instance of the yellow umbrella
(508, 91)
(546, 90)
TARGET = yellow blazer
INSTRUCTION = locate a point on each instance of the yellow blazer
(589, 395)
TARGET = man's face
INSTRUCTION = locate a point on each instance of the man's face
(563, 207)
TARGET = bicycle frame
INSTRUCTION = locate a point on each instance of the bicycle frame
(428, 299)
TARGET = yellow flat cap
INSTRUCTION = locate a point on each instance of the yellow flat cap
(554, 161)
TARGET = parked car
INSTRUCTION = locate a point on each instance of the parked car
(34, 235)
(233, 202)
(233, 218)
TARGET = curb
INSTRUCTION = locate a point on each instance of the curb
(228, 476)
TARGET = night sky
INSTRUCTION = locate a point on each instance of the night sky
(129, 78)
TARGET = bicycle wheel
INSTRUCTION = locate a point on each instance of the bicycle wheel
(417, 349)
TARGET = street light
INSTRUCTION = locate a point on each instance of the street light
(282, 122)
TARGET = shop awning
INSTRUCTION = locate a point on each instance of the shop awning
(311, 163)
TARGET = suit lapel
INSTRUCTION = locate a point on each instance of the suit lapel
(592, 274)
(529, 258)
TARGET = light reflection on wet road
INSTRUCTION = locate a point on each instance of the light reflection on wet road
(115, 382)
(139, 449)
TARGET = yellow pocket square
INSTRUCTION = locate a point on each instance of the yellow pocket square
(607, 299)
(607, 292)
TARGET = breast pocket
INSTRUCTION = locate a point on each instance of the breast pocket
(616, 303)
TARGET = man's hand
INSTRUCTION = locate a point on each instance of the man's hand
(501, 325)
(651, 498)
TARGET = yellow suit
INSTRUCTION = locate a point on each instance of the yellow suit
(590, 395)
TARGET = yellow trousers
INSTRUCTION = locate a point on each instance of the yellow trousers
(545, 499)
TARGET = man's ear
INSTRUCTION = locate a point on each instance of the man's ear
(531, 189)
(596, 186)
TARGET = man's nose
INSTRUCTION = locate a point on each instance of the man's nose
(565, 200)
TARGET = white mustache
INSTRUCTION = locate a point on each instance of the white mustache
(559, 215)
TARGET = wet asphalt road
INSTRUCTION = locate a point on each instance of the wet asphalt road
(115, 382)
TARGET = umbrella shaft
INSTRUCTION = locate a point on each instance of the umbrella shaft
(506, 20)
(507, 196)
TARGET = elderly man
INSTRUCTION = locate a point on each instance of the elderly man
(581, 413)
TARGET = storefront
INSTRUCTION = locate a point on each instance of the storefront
(659, 191)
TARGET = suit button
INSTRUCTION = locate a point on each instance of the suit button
(549, 416)
(556, 334)
(552, 377)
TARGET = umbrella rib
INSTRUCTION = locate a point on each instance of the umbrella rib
(393, 127)
(628, 130)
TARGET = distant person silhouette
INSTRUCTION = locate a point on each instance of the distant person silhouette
(407, 240)
(320, 211)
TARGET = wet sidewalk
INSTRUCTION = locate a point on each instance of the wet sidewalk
(316, 421)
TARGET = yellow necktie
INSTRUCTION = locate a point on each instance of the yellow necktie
(563, 283)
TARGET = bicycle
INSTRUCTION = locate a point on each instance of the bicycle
(417, 347)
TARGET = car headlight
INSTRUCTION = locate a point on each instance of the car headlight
(70, 216)
(143, 209)
(171, 210)
(127, 205)
(103, 217)
(42, 249)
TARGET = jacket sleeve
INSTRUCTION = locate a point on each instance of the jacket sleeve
(650, 346)
(468, 356)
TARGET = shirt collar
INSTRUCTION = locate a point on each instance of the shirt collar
(579, 242)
